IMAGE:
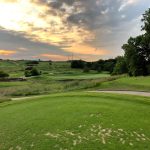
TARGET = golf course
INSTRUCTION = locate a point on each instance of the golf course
(71, 113)
(74, 74)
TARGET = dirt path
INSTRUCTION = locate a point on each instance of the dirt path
(126, 92)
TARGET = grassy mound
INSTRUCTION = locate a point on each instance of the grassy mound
(76, 121)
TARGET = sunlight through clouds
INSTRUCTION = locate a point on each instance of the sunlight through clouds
(96, 28)
(7, 52)
(29, 17)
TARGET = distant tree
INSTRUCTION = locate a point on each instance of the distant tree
(99, 69)
(89, 64)
(50, 62)
(109, 65)
(95, 65)
(78, 64)
(120, 67)
(3, 74)
(32, 72)
(86, 69)
(32, 62)
(29, 68)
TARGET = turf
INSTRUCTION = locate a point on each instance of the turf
(127, 83)
(76, 121)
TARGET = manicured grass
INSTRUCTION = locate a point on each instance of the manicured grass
(76, 121)
(127, 83)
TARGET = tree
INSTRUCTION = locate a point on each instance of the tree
(146, 21)
(134, 57)
(86, 69)
(137, 50)
(32, 62)
(120, 67)
(109, 65)
(78, 64)
(99, 69)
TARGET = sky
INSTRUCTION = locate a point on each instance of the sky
(68, 29)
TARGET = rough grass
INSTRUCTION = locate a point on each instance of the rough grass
(127, 83)
(44, 85)
(76, 121)
(58, 77)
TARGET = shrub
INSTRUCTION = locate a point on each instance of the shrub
(3, 74)
(27, 73)
(33, 72)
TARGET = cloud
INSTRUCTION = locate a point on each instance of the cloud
(86, 50)
(37, 26)
(95, 28)
(52, 57)
(7, 52)
(126, 3)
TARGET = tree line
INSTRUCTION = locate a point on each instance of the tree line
(136, 60)
(100, 65)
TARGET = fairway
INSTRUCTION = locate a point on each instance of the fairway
(76, 121)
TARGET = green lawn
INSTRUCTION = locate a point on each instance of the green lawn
(127, 83)
(76, 121)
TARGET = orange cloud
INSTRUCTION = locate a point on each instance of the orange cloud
(29, 17)
(7, 52)
(86, 50)
(52, 57)
(9, 1)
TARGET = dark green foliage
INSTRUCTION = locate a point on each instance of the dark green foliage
(134, 56)
(78, 64)
(109, 65)
(86, 69)
(50, 62)
(29, 68)
(120, 67)
(137, 50)
(3, 74)
(99, 69)
(33, 72)
(34, 62)
(101, 65)
(146, 21)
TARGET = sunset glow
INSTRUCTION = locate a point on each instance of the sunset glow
(80, 27)
(7, 52)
